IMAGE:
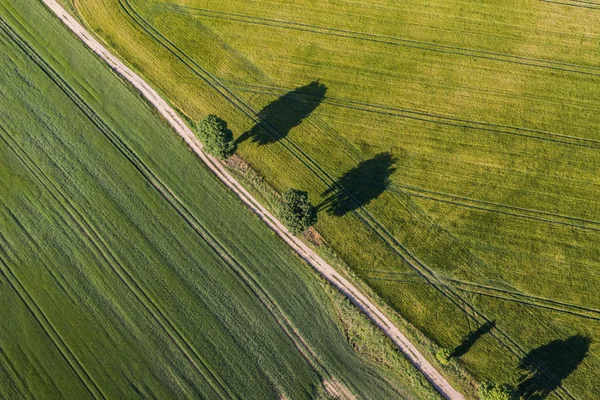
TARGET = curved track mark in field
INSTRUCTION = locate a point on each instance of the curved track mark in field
(306, 253)
(391, 40)
(527, 299)
(496, 292)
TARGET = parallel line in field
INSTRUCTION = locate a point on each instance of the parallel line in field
(497, 292)
(23, 387)
(102, 248)
(538, 301)
(389, 40)
(527, 303)
(482, 205)
(97, 243)
(430, 117)
(424, 271)
(595, 3)
(591, 6)
(251, 282)
(500, 294)
(84, 377)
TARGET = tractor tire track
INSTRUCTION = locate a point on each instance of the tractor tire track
(84, 377)
(526, 299)
(575, 3)
(389, 40)
(498, 293)
(520, 212)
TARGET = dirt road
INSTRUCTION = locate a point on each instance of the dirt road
(361, 301)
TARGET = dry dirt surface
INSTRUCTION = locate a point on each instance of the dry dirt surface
(360, 300)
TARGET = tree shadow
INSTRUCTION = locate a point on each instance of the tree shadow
(469, 340)
(357, 187)
(278, 118)
(546, 367)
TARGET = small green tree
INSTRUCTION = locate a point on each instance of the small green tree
(216, 137)
(443, 356)
(493, 391)
(297, 212)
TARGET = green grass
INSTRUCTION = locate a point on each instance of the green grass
(127, 270)
(490, 111)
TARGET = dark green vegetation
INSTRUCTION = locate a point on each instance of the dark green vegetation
(454, 145)
(215, 136)
(296, 211)
(126, 269)
(491, 391)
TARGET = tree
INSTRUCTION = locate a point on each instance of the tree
(493, 391)
(443, 356)
(216, 137)
(297, 212)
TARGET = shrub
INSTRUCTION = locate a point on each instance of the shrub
(297, 212)
(216, 137)
(493, 391)
(443, 356)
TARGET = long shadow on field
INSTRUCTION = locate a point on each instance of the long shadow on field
(469, 340)
(546, 367)
(357, 187)
(278, 118)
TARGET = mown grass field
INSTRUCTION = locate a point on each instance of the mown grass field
(128, 271)
(464, 136)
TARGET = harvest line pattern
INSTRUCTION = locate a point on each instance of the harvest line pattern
(278, 315)
(424, 271)
(103, 250)
(94, 238)
(49, 329)
(389, 40)
(15, 373)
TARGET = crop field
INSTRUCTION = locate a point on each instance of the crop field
(453, 147)
(128, 271)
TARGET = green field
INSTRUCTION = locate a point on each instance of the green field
(128, 271)
(461, 136)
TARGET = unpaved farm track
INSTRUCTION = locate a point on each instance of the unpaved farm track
(360, 300)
